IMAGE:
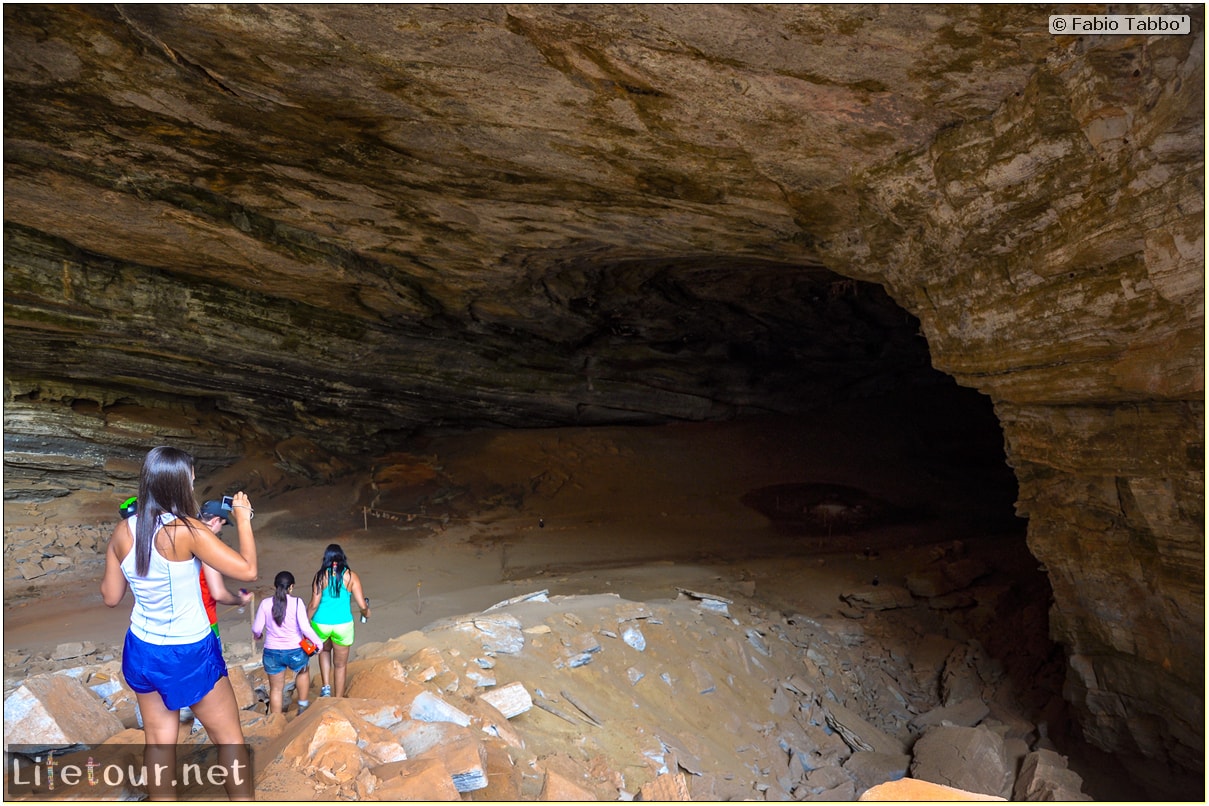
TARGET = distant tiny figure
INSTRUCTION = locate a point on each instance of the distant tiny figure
(875, 581)
(541, 523)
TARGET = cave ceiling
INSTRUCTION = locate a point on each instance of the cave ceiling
(354, 221)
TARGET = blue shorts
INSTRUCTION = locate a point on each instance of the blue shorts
(277, 661)
(181, 673)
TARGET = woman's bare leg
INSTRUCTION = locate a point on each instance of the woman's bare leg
(276, 687)
(325, 662)
(340, 661)
(161, 731)
(219, 714)
(302, 683)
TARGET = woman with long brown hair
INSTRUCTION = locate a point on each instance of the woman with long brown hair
(171, 658)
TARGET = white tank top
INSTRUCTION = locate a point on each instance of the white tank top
(168, 606)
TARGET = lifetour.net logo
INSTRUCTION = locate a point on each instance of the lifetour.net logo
(124, 772)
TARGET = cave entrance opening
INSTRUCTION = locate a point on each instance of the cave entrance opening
(855, 448)
(715, 340)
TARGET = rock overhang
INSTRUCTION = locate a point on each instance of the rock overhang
(467, 184)
(623, 214)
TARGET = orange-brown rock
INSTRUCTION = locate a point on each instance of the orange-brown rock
(911, 789)
(415, 779)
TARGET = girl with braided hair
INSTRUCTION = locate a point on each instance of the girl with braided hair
(333, 591)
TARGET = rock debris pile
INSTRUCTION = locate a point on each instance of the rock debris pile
(33, 553)
(599, 698)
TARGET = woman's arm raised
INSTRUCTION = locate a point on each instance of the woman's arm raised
(213, 552)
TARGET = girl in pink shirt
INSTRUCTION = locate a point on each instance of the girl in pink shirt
(283, 622)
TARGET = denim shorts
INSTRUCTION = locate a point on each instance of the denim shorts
(181, 673)
(277, 661)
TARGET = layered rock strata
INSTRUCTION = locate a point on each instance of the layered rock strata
(234, 226)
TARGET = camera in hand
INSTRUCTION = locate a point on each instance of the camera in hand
(228, 502)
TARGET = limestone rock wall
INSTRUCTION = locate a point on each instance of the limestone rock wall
(1115, 500)
(1054, 254)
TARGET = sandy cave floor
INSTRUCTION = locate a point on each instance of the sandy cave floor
(635, 512)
